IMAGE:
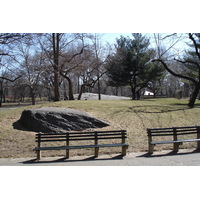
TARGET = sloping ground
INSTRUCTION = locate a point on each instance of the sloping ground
(134, 116)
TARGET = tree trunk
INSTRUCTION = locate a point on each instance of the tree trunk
(138, 95)
(1, 93)
(78, 85)
(56, 86)
(81, 91)
(133, 90)
(99, 89)
(32, 96)
(71, 95)
(56, 58)
(116, 91)
(4, 95)
(133, 86)
(194, 95)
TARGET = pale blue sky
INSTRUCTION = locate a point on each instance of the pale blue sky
(111, 37)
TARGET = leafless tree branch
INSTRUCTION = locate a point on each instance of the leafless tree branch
(173, 73)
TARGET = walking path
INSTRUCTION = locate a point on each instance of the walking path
(94, 96)
(189, 157)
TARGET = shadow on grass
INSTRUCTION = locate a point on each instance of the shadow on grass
(172, 153)
(65, 160)
(157, 109)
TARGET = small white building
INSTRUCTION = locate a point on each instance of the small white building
(147, 93)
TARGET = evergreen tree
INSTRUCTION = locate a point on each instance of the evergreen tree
(130, 64)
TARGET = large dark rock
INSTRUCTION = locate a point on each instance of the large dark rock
(57, 120)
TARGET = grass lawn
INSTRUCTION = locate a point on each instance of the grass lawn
(134, 116)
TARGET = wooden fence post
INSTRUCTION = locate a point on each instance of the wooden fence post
(123, 142)
(96, 150)
(39, 144)
(176, 145)
(151, 146)
(67, 144)
(198, 137)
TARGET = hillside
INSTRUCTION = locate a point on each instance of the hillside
(134, 116)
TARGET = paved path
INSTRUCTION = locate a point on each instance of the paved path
(94, 96)
(163, 158)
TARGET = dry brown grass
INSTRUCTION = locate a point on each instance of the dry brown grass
(134, 116)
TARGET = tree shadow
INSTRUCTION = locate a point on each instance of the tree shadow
(65, 160)
(156, 109)
(171, 153)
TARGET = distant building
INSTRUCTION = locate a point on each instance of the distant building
(147, 93)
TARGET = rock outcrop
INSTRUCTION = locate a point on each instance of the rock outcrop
(57, 120)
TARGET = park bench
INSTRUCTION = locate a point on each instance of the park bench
(176, 135)
(96, 140)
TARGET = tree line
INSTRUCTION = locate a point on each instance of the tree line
(58, 65)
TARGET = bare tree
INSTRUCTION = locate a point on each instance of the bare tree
(7, 43)
(32, 66)
(7, 74)
(61, 50)
(93, 65)
(70, 62)
(176, 56)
